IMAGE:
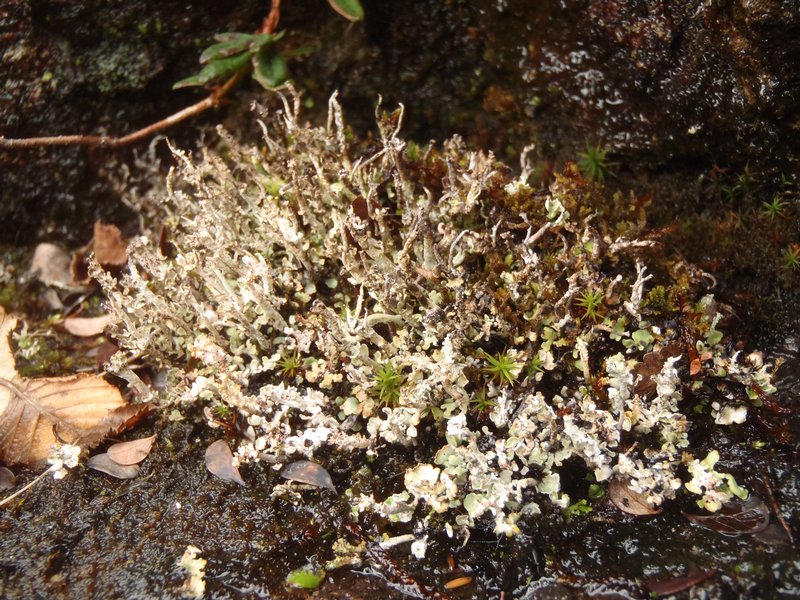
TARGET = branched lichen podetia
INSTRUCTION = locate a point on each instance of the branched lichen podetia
(519, 329)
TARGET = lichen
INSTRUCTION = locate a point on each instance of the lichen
(398, 279)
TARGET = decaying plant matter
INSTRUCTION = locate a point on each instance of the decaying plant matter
(432, 300)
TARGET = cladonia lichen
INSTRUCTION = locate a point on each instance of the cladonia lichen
(437, 302)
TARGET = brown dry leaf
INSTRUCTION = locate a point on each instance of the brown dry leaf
(308, 472)
(52, 265)
(736, 518)
(625, 499)
(87, 326)
(109, 249)
(105, 464)
(7, 479)
(219, 461)
(37, 413)
(133, 452)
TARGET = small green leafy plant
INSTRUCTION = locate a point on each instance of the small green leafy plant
(594, 164)
(235, 52)
(590, 302)
(388, 382)
(503, 367)
(581, 507)
(774, 208)
(290, 365)
(481, 403)
(791, 257)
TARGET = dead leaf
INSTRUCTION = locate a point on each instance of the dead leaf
(219, 461)
(736, 518)
(87, 326)
(7, 479)
(109, 248)
(132, 452)
(104, 464)
(35, 414)
(677, 585)
(305, 471)
(629, 501)
(648, 369)
(52, 265)
(103, 353)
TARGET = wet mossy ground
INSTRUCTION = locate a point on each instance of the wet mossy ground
(95, 536)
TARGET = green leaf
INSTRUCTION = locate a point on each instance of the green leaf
(349, 9)
(269, 69)
(230, 36)
(216, 69)
(259, 41)
(225, 49)
(305, 578)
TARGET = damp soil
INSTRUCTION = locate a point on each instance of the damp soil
(697, 104)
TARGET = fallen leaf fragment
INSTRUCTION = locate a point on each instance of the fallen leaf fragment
(36, 414)
(679, 584)
(104, 464)
(109, 248)
(219, 462)
(736, 518)
(52, 265)
(7, 479)
(629, 501)
(458, 582)
(132, 452)
(87, 326)
(305, 471)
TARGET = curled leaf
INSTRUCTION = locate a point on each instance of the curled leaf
(132, 452)
(87, 326)
(629, 501)
(7, 479)
(219, 462)
(305, 471)
(736, 518)
(110, 249)
(269, 68)
(104, 464)
(52, 265)
(349, 9)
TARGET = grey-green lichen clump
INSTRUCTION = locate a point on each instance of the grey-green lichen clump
(430, 299)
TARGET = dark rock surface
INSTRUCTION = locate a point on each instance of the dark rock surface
(666, 82)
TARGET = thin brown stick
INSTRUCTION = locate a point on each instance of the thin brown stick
(774, 504)
(269, 25)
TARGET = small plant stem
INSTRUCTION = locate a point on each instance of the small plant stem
(774, 504)
(25, 489)
(270, 23)
(267, 26)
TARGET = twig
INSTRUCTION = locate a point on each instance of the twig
(267, 26)
(774, 504)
